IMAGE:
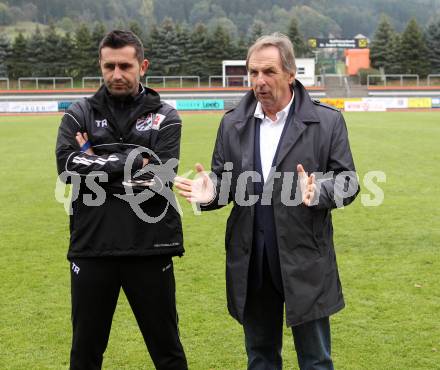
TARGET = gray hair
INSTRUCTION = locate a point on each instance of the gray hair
(282, 43)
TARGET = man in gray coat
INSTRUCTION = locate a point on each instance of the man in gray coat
(285, 161)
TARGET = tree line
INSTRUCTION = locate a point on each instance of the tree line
(317, 18)
(413, 51)
(173, 49)
(176, 49)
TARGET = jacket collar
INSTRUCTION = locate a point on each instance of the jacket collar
(305, 110)
(243, 119)
(146, 100)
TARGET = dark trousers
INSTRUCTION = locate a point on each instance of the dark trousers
(263, 329)
(148, 283)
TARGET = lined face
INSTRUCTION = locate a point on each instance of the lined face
(121, 70)
(271, 84)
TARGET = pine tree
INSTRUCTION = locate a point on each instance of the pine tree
(219, 48)
(135, 27)
(256, 30)
(18, 65)
(98, 34)
(414, 51)
(85, 58)
(154, 52)
(299, 46)
(197, 51)
(36, 53)
(66, 45)
(183, 41)
(381, 45)
(52, 64)
(240, 50)
(5, 50)
(433, 44)
(394, 57)
(170, 59)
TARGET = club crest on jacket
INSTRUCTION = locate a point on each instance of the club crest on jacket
(151, 121)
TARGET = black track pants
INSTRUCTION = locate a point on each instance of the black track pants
(148, 283)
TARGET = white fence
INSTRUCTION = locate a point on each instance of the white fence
(6, 80)
(37, 79)
(229, 80)
(433, 76)
(393, 76)
(98, 78)
(179, 78)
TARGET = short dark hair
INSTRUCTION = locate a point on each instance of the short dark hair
(118, 39)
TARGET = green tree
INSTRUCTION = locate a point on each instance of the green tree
(4, 55)
(136, 28)
(256, 30)
(297, 39)
(240, 49)
(183, 42)
(395, 55)
(98, 34)
(203, 11)
(414, 51)
(18, 65)
(36, 55)
(171, 54)
(154, 50)
(313, 23)
(52, 64)
(66, 45)
(433, 44)
(219, 49)
(84, 55)
(381, 45)
(197, 51)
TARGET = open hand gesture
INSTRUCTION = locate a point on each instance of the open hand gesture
(199, 190)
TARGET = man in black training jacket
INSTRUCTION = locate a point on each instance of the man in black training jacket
(111, 244)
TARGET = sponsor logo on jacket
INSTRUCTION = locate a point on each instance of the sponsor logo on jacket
(151, 121)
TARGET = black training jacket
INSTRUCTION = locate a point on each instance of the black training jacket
(107, 218)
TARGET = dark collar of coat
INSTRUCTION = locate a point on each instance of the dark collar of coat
(305, 110)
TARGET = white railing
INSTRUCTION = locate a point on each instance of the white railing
(180, 78)
(37, 79)
(225, 81)
(7, 81)
(399, 76)
(217, 77)
(84, 79)
(435, 76)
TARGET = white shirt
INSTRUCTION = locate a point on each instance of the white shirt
(270, 134)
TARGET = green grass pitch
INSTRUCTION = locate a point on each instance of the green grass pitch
(389, 256)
